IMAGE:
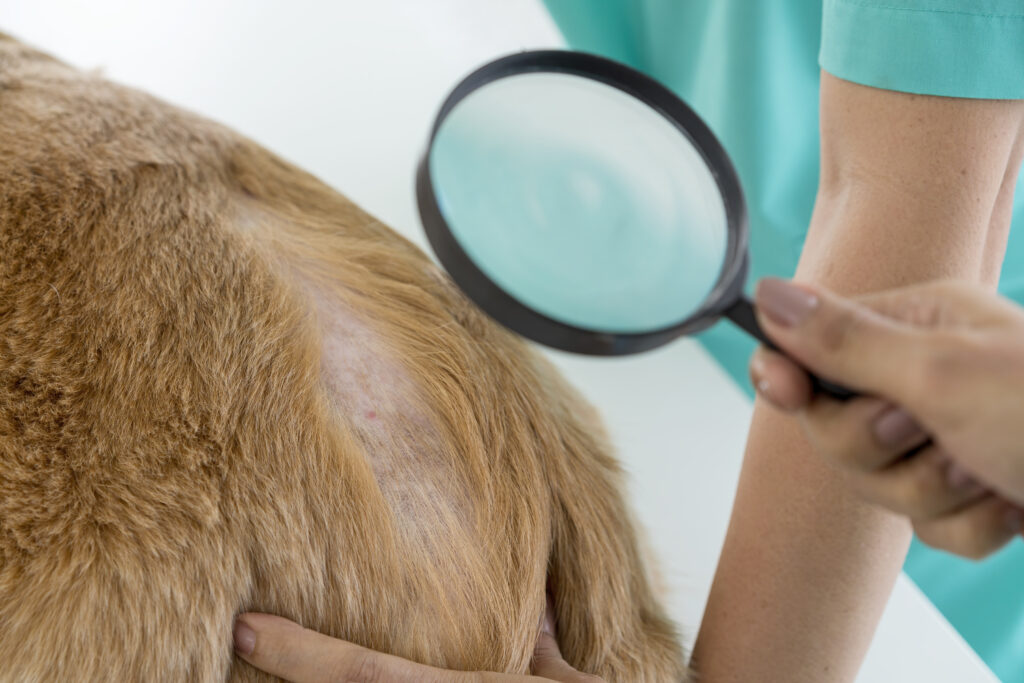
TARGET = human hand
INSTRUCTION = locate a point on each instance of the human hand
(946, 363)
(287, 650)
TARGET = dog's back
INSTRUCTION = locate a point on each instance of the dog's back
(223, 387)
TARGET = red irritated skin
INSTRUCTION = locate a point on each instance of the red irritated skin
(893, 208)
(224, 388)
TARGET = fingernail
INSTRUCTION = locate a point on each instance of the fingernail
(1014, 520)
(767, 391)
(757, 368)
(760, 382)
(548, 625)
(785, 303)
(895, 427)
(757, 373)
(245, 638)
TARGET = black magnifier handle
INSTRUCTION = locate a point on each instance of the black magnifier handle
(742, 313)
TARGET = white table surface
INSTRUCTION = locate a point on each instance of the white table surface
(348, 91)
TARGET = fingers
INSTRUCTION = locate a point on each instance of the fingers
(547, 657)
(841, 340)
(287, 650)
(976, 532)
(909, 346)
(913, 345)
(863, 434)
(948, 508)
(780, 380)
(549, 665)
(920, 486)
(871, 439)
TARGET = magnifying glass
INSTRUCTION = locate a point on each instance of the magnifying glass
(584, 206)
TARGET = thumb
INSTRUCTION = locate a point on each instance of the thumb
(839, 339)
(287, 650)
(547, 657)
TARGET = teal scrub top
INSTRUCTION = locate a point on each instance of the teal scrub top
(750, 68)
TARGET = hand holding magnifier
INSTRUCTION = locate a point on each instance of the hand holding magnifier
(584, 206)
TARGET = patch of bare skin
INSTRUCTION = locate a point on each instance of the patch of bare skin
(375, 398)
(374, 394)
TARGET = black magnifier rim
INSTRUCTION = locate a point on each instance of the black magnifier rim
(543, 329)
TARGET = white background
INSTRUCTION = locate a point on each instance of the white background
(348, 91)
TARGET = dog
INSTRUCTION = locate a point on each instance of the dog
(224, 387)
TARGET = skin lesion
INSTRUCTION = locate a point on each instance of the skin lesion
(373, 396)
(288, 410)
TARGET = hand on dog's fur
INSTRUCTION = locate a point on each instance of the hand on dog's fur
(285, 649)
(224, 387)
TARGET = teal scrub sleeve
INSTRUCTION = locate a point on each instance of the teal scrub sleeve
(956, 48)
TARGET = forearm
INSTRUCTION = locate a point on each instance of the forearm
(909, 192)
(807, 567)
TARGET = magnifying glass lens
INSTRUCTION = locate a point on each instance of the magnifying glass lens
(580, 201)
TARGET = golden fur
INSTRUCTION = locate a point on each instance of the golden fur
(224, 387)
